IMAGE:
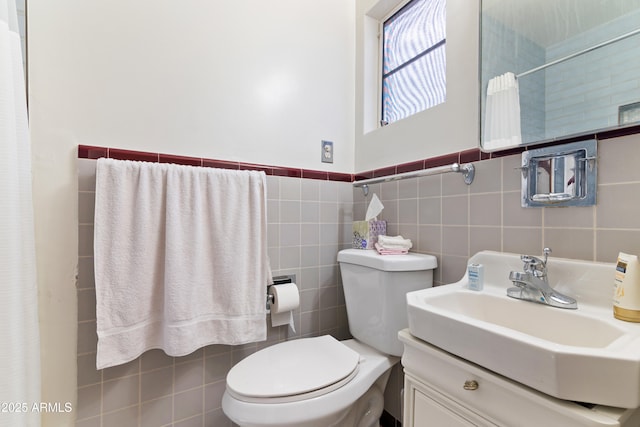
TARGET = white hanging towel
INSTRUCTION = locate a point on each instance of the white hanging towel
(180, 258)
(502, 113)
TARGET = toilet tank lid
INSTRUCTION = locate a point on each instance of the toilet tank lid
(370, 258)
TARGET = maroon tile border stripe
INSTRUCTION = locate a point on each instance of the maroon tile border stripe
(466, 156)
(91, 152)
(88, 152)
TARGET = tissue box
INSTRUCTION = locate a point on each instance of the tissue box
(365, 233)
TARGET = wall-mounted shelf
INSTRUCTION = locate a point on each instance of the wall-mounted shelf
(561, 175)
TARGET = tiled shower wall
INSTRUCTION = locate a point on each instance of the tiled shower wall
(601, 80)
(308, 222)
(446, 218)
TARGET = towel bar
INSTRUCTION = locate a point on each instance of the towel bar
(467, 169)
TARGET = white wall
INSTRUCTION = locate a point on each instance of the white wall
(245, 80)
(446, 128)
(250, 80)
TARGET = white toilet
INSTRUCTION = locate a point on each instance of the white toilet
(320, 381)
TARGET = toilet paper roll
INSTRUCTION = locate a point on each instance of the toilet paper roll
(286, 298)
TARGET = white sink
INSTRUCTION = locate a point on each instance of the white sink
(584, 355)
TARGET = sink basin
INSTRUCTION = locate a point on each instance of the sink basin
(557, 326)
(583, 355)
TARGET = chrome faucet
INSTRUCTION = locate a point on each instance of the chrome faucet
(533, 285)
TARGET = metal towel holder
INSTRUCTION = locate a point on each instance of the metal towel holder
(467, 169)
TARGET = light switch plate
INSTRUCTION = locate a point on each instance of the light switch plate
(327, 151)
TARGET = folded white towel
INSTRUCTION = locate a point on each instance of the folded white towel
(180, 258)
(394, 242)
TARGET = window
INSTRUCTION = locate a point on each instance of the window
(413, 59)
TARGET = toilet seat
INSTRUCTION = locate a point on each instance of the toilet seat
(293, 371)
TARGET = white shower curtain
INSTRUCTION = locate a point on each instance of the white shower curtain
(19, 337)
(502, 113)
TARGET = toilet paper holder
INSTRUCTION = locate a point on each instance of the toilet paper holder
(278, 280)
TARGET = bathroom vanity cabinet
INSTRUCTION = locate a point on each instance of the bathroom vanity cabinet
(442, 389)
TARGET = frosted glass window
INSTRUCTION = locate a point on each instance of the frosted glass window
(414, 59)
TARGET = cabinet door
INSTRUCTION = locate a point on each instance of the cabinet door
(425, 407)
(427, 412)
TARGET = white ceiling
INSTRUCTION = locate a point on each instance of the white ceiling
(547, 22)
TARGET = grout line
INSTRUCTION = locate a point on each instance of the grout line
(139, 360)
(609, 184)
(595, 232)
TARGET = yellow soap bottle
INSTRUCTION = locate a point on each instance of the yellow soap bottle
(626, 288)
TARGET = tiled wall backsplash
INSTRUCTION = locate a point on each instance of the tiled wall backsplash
(446, 218)
(309, 221)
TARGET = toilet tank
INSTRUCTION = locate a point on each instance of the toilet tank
(375, 288)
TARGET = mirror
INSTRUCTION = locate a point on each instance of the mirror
(552, 69)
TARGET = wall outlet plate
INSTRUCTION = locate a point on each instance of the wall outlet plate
(327, 152)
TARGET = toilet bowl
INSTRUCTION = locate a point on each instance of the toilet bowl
(328, 405)
(323, 382)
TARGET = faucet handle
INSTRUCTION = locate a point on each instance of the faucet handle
(535, 265)
(531, 260)
(531, 263)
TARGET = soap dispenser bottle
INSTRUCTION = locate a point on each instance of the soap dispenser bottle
(626, 288)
